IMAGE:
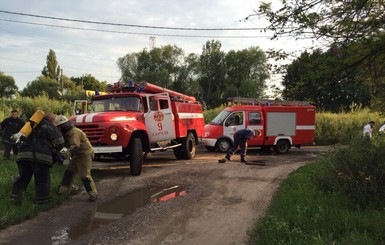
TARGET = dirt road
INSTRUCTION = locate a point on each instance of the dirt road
(192, 202)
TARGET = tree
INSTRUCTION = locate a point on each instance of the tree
(52, 69)
(159, 65)
(89, 82)
(42, 85)
(355, 27)
(318, 77)
(204, 76)
(185, 79)
(333, 21)
(7, 85)
(212, 74)
(247, 72)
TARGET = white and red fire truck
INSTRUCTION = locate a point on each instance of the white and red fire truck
(134, 119)
(281, 126)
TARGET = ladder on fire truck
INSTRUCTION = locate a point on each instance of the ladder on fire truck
(263, 102)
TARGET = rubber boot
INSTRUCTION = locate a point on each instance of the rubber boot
(89, 189)
(65, 183)
(228, 156)
(243, 159)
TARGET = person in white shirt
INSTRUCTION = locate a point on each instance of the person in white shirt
(368, 129)
(382, 128)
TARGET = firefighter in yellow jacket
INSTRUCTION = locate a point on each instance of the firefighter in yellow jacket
(80, 153)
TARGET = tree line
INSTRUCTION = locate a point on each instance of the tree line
(211, 77)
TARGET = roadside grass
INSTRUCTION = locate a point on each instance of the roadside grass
(14, 212)
(307, 211)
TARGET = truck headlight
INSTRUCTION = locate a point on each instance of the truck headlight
(114, 137)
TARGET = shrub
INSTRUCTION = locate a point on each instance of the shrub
(209, 115)
(357, 171)
(27, 106)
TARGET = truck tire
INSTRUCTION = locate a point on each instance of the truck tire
(223, 145)
(282, 146)
(187, 149)
(136, 156)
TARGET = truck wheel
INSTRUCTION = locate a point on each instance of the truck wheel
(187, 149)
(282, 146)
(223, 145)
(136, 156)
(211, 148)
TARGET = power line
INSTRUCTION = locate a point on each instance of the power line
(132, 33)
(132, 25)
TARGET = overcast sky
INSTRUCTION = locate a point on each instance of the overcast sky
(25, 40)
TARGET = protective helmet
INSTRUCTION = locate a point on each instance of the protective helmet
(59, 120)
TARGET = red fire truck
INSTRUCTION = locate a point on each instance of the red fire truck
(282, 124)
(134, 119)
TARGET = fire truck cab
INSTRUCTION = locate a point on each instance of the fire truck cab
(135, 119)
(281, 126)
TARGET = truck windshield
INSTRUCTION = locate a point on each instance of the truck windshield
(218, 120)
(117, 104)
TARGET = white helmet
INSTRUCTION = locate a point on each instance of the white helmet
(59, 120)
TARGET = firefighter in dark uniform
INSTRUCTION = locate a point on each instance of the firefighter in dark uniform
(240, 141)
(80, 153)
(10, 126)
(35, 159)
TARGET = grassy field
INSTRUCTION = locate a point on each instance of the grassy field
(338, 199)
(14, 212)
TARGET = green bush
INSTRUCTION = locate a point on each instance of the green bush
(209, 115)
(27, 106)
(357, 171)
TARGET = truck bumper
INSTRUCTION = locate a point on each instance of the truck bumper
(209, 142)
(107, 149)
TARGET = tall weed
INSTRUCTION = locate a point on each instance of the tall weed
(342, 128)
(357, 171)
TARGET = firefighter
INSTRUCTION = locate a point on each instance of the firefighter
(240, 141)
(10, 126)
(80, 153)
(35, 158)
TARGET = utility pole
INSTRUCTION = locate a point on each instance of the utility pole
(152, 43)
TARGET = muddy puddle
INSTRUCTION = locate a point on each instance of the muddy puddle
(116, 209)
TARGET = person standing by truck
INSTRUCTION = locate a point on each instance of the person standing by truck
(240, 141)
(9, 127)
(80, 153)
